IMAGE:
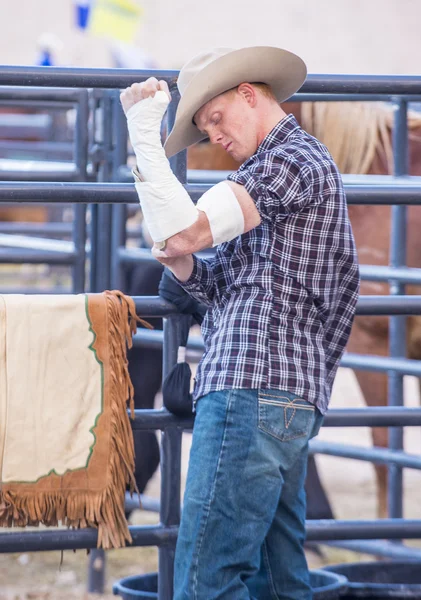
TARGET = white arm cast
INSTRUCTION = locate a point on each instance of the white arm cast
(166, 206)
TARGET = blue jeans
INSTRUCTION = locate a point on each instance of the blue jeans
(243, 524)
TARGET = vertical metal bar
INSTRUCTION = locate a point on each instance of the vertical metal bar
(397, 324)
(79, 240)
(119, 211)
(103, 281)
(170, 458)
(93, 208)
(79, 210)
(93, 237)
(179, 161)
(170, 467)
(171, 440)
(81, 134)
(96, 571)
(100, 267)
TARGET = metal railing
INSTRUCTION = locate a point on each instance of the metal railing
(107, 198)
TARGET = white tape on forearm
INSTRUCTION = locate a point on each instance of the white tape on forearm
(166, 205)
(144, 124)
(224, 213)
(167, 209)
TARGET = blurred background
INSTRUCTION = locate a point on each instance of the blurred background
(350, 36)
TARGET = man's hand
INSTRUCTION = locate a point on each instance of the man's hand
(139, 91)
(181, 266)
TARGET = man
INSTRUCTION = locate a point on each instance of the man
(281, 293)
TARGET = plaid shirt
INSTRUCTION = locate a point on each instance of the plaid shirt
(281, 297)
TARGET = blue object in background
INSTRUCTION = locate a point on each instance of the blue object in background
(83, 8)
(45, 59)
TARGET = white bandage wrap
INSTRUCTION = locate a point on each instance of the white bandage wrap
(223, 211)
(166, 206)
(167, 209)
(144, 124)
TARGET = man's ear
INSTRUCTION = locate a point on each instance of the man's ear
(248, 93)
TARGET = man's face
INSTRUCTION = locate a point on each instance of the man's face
(229, 120)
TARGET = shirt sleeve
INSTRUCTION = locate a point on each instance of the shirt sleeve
(279, 184)
(201, 283)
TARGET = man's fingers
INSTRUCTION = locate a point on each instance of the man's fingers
(139, 91)
(157, 253)
(162, 85)
(126, 99)
(150, 87)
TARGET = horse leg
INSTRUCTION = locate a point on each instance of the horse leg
(318, 505)
(145, 368)
(374, 389)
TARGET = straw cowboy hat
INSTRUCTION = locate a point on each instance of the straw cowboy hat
(212, 73)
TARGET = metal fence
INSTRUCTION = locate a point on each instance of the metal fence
(99, 180)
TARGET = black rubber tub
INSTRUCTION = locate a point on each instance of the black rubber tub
(326, 586)
(377, 580)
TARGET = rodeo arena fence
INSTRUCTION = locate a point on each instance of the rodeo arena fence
(96, 180)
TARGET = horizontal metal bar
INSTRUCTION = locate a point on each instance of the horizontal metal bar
(359, 97)
(389, 305)
(20, 92)
(34, 290)
(30, 228)
(126, 193)
(17, 256)
(144, 338)
(385, 416)
(383, 194)
(152, 419)
(50, 105)
(379, 548)
(153, 306)
(28, 174)
(380, 456)
(381, 364)
(206, 176)
(134, 255)
(80, 539)
(395, 85)
(363, 530)
(54, 229)
(79, 77)
(147, 503)
(114, 78)
(157, 535)
(35, 146)
(385, 273)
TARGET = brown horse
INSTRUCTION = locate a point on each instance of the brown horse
(358, 136)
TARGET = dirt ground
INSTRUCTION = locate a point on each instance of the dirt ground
(350, 485)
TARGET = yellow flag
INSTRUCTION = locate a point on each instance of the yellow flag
(117, 19)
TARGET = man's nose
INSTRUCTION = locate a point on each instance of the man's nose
(215, 138)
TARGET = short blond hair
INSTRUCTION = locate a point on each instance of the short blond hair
(266, 90)
(263, 88)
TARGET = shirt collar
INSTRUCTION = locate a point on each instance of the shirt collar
(279, 133)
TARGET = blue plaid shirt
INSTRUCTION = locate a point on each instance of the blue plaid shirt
(281, 297)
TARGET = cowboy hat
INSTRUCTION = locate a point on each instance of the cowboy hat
(212, 73)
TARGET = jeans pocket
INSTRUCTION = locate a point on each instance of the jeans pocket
(284, 415)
